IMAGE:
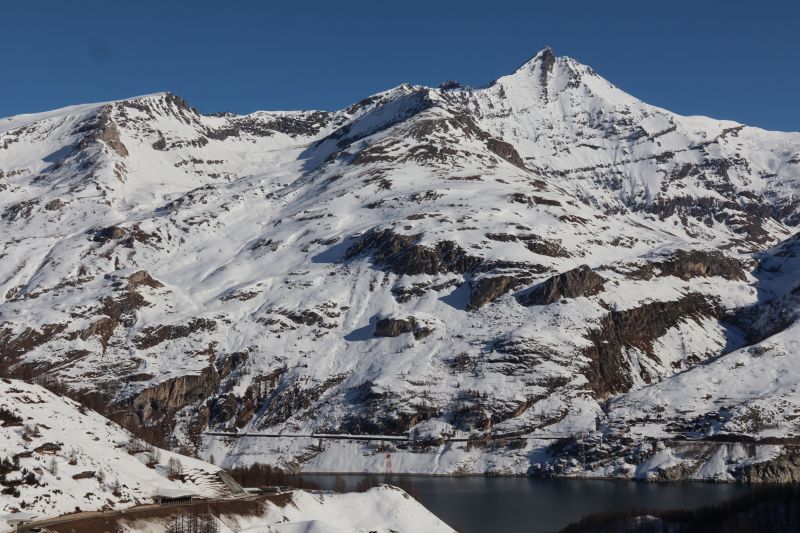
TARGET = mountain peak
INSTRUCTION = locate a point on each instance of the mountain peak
(544, 56)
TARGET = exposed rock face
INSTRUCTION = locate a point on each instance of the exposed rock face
(290, 399)
(489, 288)
(120, 309)
(609, 371)
(783, 469)
(109, 134)
(382, 413)
(506, 151)
(13, 347)
(581, 281)
(548, 61)
(154, 336)
(54, 205)
(746, 219)
(104, 129)
(110, 233)
(534, 243)
(142, 277)
(394, 327)
(380, 421)
(688, 264)
(152, 411)
(174, 394)
(161, 143)
(86, 474)
(227, 410)
(401, 255)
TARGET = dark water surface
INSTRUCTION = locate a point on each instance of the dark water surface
(525, 505)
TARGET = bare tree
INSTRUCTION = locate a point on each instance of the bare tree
(53, 468)
(174, 468)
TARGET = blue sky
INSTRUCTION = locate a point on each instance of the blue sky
(735, 60)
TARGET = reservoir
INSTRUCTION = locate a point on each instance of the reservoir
(475, 504)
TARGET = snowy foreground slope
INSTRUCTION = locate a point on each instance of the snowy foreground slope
(58, 458)
(381, 509)
(470, 268)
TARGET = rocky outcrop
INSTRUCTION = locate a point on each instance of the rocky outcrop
(229, 409)
(120, 309)
(170, 396)
(489, 288)
(402, 254)
(548, 60)
(382, 421)
(291, 399)
(142, 278)
(105, 130)
(378, 412)
(151, 413)
(532, 200)
(161, 143)
(689, 264)
(784, 468)
(472, 410)
(534, 243)
(581, 281)
(506, 151)
(609, 371)
(394, 327)
(746, 219)
(12, 347)
(155, 335)
(305, 124)
(107, 234)
(109, 134)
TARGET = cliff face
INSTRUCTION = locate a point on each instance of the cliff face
(543, 255)
(571, 284)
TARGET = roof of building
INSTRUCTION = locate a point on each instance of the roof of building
(174, 493)
(18, 516)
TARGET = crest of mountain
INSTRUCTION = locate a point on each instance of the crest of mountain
(543, 255)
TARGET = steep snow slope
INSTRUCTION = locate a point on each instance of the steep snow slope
(512, 260)
(58, 457)
(752, 390)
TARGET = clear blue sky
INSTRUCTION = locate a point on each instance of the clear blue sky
(728, 59)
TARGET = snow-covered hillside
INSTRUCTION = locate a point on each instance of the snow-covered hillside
(543, 255)
(57, 457)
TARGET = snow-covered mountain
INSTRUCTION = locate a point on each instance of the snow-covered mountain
(543, 255)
